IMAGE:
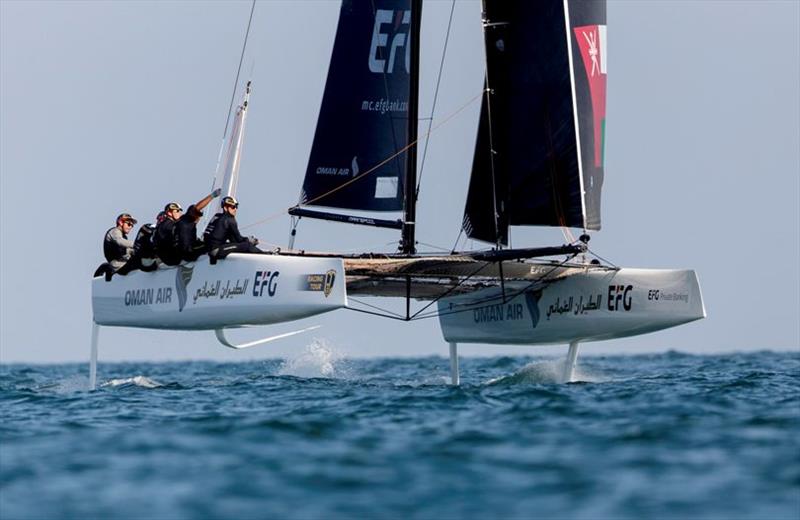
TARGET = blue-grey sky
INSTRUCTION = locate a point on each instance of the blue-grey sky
(112, 106)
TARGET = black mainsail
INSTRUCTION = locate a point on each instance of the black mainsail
(539, 152)
(357, 160)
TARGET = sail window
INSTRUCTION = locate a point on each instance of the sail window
(386, 187)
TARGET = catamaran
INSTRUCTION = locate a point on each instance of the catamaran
(538, 161)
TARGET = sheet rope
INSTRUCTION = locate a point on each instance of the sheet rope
(374, 168)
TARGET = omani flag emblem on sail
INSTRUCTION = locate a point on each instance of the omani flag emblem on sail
(592, 43)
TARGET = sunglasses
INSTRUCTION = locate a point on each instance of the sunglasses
(232, 206)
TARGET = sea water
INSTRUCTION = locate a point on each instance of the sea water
(322, 436)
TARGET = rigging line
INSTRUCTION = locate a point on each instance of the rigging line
(368, 248)
(491, 152)
(435, 95)
(233, 95)
(376, 314)
(374, 168)
(402, 150)
(541, 279)
(433, 246)
(387, 311)
(451, 289)
(491, 161)
(491, 137)
(603, 259)
(455, 244)
(471, 306)
(239, 70)
(568, 236)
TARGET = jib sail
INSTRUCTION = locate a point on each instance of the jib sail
(539, 153)
(356, 160)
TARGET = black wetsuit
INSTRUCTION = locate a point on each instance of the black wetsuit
(166, 242)
(144, 252)
(189, 246)
(222, 237)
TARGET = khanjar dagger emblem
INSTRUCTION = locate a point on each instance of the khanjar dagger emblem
(183, 275)
(591, 39)
(330, 276)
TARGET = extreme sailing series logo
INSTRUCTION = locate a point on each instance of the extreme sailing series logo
(320, 282)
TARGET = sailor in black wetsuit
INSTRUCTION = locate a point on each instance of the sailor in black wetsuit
(166, 237)
(144, 252)
(222, 235)
(189, 246)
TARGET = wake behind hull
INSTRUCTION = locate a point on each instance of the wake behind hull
(241, 290)
(589, 306)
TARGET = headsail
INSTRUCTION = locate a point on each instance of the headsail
(539, 152)
(364, 116)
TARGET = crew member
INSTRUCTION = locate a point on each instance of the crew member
(222, 235)
(144, 252)
(189, 246)
(166, 238)
(117, 248)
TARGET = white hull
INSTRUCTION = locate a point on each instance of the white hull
(590, 306)
(241, 290)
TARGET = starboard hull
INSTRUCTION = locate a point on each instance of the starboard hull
(241, 290)
(589, 306)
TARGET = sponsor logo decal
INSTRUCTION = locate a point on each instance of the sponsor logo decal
(577, 305)
(398, 22)
(265, 280)
(183, 275)
(148, 296)
(512, 311)
(665, 295)
(384, 105)
(619, 297)
(497, 313)
(592, 44)
(320, 282)
(532, 301)
(212, 289)
(330, 170)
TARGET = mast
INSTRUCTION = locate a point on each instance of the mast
(408, 241)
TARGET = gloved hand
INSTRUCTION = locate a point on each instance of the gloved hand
(216, 193)
(253, 240)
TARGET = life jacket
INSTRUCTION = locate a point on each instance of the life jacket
(143, 246)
